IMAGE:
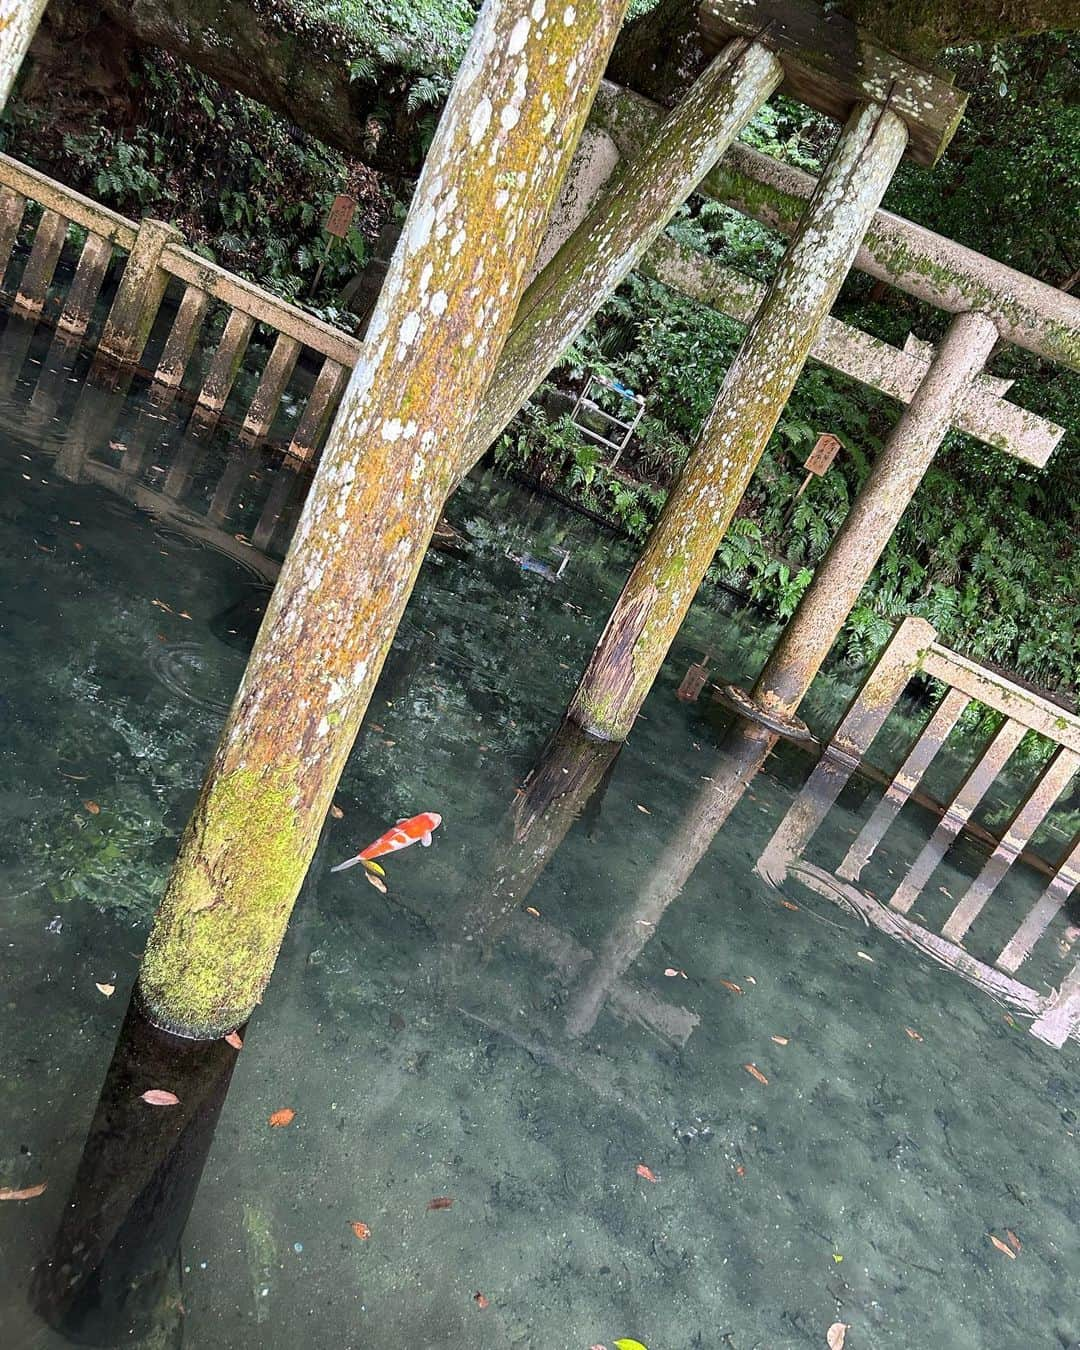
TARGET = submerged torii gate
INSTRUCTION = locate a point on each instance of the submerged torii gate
(441, 322)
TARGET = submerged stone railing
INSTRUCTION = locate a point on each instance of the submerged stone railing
(156, 254)
(913, 650)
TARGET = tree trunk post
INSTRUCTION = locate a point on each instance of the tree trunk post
(662, 584)
(853, 554)
(18, 24)
(634, 206)
(479, 212)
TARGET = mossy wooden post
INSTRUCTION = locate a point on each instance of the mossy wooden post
(503, 143)
(636, 203)
(659, 591)
(18, 24)
(139, 296)
(898, 470)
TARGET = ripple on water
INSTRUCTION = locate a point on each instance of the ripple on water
(205, 678)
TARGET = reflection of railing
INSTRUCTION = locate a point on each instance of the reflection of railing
(913, 650)
(155, 255)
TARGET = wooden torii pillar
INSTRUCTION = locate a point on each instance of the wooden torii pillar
(893, 104)
(18, 24)
(503, 143)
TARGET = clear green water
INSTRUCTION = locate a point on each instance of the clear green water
(442, 1041)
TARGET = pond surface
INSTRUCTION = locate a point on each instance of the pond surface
(539, 1026)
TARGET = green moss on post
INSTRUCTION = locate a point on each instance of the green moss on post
(502, 146)
(663, 583)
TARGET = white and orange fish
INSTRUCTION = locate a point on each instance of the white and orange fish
(405, 832)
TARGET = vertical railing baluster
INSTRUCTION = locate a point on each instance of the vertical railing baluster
(1027, 818)
(958, 813)
(40, 266)
(225, 365)
(1046, 908)
(86, 285)
(321, 405)
(908, 778)
(275, 378)
(12, 209)
(182, 338)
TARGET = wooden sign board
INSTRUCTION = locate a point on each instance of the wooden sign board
(693, 682)
(340, 217)
(824, 452)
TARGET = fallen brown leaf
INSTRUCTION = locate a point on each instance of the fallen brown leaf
(834, 1337)
(159, 1097)
(531, 909)
(27, 1193)
(644, 809)
(92, 807)
(107, 989)
(730, 984)
(864, 957)
(235, 1040)
(912, 1034)
(755, 1072)
(646, 1172)
(1002, 1246)
(283, 1117)
(337, 812)
(1014, 1241)
(740, 1171)
(362, 1231)
(780, 1040)
(789, 905)
(479, 1299)
(375, 881)
(441, 1202)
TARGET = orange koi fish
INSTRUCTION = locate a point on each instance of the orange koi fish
(404, 833)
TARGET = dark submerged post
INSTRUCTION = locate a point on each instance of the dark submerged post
(503, 143)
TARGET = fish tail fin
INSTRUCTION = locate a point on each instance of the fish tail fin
(349, 862)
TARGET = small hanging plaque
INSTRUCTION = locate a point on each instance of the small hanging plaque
(340, 216)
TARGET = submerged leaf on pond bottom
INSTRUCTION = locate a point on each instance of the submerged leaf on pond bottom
(282, 1117)
(362, 1231)
(27, 1193)
(159, 1097)
(834, 1337)
(755, 1072)
(732, 986)
(1002, 1247)
(1014, 1241)
(234, 1039)
(375, 881)
(646, 1172)
(441, 1202)
(479, 1299)
(107, 989)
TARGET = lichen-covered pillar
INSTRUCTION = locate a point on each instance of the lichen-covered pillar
(634, 206)
(18, 24)
(662, 585)
(898, 470)
(502, 145)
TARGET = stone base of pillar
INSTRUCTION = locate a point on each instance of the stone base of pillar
(790, 728)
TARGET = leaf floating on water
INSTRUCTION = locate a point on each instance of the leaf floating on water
(730, 984)
(441, 1202)
(361, 1230)
(780, 1040)
(1014, 1241)
(107, 989)
(864, 957)
(644, 809)
(912, 1033)
(479, 1299)
(160, 604)
(234, 1039)
(788, 904)
(627, 1343)
(834, 1337)
(282, 1117)
(1002, 1246)
(337, 812)
(531, 909)
(92, 807)
(27, 1193)
(755, 1072)
(646, 1172)
(159, 1097)
(375, 881)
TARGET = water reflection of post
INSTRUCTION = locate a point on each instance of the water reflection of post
(571, 768)
(113, 1275)
(742, 754)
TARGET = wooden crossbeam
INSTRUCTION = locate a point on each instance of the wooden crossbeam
(831, 65)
